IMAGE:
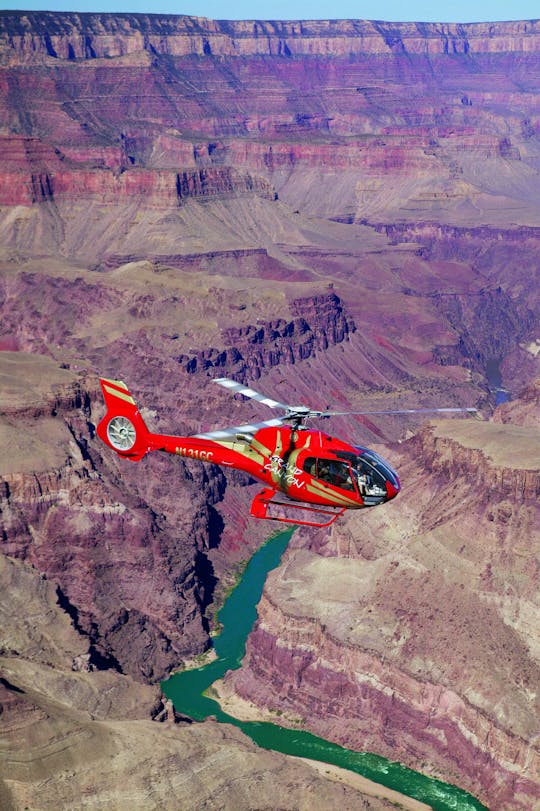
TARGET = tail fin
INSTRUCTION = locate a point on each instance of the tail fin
(122, 428)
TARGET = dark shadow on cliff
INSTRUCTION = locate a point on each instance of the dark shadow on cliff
(204, 572)
(9, 686)
(99, 660)
(216, 525)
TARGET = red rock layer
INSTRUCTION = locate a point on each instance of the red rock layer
(158, 189)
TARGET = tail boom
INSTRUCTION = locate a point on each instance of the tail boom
(124, 430)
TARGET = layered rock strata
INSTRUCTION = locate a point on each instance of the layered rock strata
(355, 629)
(130, 579)
(320, 322)
(73, 735)
(90, 36)
(320, 114)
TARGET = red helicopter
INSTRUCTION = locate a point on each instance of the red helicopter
(310, 478)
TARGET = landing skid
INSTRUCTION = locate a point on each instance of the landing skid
(274, 506)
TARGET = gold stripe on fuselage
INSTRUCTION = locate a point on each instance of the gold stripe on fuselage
(261, 448)
(243, 449)
(277, 472)
(118, 383)
(338, 498)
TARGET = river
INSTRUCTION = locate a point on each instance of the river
(186, 690)
(494, 379)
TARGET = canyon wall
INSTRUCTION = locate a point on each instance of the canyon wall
(126, 575)
(74, 734)
(90, 36)
(348, 213)
(320, 113)
(368, 634)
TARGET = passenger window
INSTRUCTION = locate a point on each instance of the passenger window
(328, 470)
(310, 466)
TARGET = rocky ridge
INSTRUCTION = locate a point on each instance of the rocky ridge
(354, 629)
(259, 347)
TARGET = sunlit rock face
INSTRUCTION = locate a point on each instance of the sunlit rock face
(347, 213)
(411, 629)
(352, 120)
(98, 734)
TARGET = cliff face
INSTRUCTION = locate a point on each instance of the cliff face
(132, 91)
(355, 630)
(127, 577)
(91, 36)
(320, 322)
(94, 730)
(159, 189)
(347, 212)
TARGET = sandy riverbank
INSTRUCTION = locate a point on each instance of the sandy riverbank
(246, 711)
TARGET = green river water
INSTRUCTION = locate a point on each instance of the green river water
(186, 690)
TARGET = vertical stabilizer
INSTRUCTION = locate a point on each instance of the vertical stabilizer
(122, 428)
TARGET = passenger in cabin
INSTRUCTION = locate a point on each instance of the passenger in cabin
(323, 471)
(327, 470)
(365, 483)
(340, 475)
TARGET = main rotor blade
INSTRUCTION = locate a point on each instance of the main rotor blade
(304, 412)
(401, 411)
(248, 428)
(239, 388)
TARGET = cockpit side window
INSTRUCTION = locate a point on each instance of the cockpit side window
(310, 465)
(337, 473)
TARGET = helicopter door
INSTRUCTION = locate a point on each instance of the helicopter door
(334, 472)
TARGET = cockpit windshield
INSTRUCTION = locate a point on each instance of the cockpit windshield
(371, 482)
(376, 462)
(363, 472)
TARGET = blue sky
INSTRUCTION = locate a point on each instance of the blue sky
(396, 10)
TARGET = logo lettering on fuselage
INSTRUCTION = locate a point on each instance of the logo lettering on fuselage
(195, 454)
(289, 475)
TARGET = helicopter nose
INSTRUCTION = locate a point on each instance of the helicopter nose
(392, 488)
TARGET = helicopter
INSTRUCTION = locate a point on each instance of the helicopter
(310, 478)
